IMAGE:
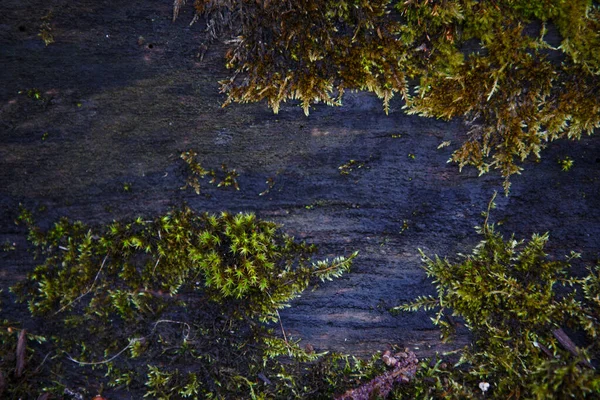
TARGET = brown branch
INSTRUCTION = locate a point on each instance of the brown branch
(132, 342)
(405, 367)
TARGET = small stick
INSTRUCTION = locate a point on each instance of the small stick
(186, 335)
(87, 291)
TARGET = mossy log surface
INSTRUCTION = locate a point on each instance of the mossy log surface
(124, 92)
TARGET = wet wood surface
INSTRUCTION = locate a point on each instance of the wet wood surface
(125, 92)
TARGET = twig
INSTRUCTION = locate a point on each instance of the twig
(157, 261)
(405, 366)
(42, 363)
(132, 342)
(284, 336)
(489, 209)
(87, 291)
(281, 325)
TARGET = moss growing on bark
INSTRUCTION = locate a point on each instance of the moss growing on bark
(129, 299)
(515, 91)
(534, 325)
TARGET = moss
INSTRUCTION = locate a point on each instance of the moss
(351, 166)
(522, 309)
(180, 306)
(127, 300)
(197, 172)
(511, 93)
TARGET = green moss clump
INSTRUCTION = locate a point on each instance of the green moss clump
(127, 300)
(235, 259)
(522, 310)
(515, 91)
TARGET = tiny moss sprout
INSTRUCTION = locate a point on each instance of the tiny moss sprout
(197, 172)
(46, 33)
(270, 184)
(405, 226)
(444, 144)
(350, 166)
(317, 203)
(45, 30)
(230, 178)
(34, 94)
(566, 163)
(9, 246)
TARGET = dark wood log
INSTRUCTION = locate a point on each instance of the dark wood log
(124, 91)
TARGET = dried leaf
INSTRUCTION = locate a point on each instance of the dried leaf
(568, 344)
(388, 359)
(21, 346)
(565, 341)
(544, 349)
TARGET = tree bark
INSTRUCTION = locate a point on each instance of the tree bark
(124, 91)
